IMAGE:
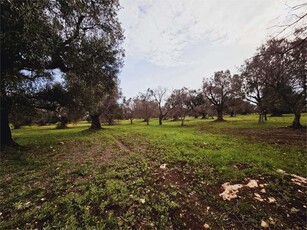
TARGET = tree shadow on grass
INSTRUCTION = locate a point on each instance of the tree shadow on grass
(93, 131)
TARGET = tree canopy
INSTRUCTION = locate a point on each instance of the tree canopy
(82, 39)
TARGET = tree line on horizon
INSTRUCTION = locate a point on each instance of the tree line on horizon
(257, 88)
(82, 40)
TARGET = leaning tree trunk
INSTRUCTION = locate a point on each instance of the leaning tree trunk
(6, 135)
(296, 122)
(95, 123)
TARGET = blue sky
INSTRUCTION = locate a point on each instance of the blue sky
(176, 43)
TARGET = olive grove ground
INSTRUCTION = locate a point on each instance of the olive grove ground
(157, 177)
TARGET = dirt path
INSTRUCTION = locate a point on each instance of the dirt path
(121, 145)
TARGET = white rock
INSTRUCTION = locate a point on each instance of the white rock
(281, 171)
(264, 224)
(230, 191)
(252, 184)
(206, 226)
(258, 197)
(271, 199)
(163, 166)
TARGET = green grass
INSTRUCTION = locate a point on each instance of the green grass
(78, 179)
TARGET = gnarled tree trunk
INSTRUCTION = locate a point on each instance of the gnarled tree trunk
(63, 123)
(160, 119)
(296, 122)
(219, 114)
(6, 135)
(182, 121)
(95, 122)
(204, 115)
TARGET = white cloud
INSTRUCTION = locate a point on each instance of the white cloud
(158, 31)
(176, 43)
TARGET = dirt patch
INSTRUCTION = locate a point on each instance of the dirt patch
(283, 136)
(79, 151)
(171, 176)
(282, 201)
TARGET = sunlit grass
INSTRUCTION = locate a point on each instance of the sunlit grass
(111, 178)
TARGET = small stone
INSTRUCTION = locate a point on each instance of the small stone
(271, 221)
(192, 193)
(61, 143)
(0, 213)
(281, 171)
(258, 197)
(163, 166)
(272, 200)
(206, 226)
(252, 184)
(43, 199)
(27, 203)
(142, 201)
(264, 224)
(294, 210)
(263, 190)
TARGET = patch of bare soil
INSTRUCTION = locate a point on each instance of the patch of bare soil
(196, 210)
(279, 202)
(79, 151)
(171, 177)
(283, 136)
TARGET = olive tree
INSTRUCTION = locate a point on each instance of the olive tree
(180, 102)
(160, 97)
(220, 88)
(40, 36)
(285, 66)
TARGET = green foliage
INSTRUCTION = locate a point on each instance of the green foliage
(79, 38)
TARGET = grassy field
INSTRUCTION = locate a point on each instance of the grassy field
(156, 177)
